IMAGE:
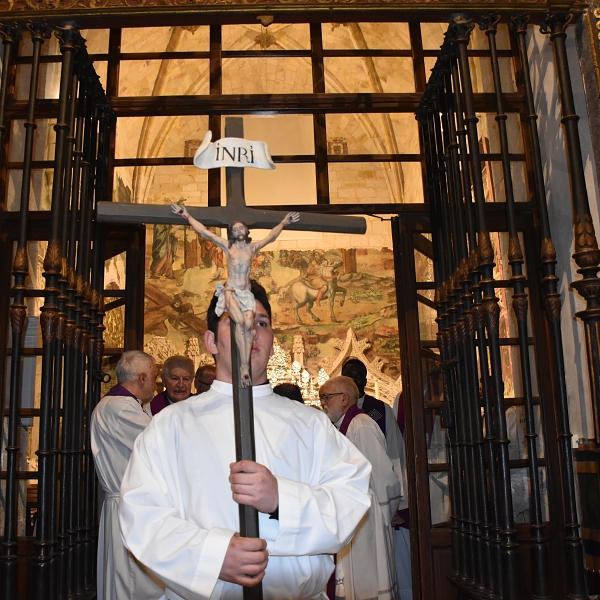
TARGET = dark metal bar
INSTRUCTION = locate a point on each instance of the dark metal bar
(86, 534)
(458, 528)
(75, 567)
(466, 337)
(492, 533)
(466, 362)
(539, 553)
(11, 35)
(43, 580)
(459, 32)
(83, 303)
(63, 366)
(70, 357)
(587, 257)
(18, 316)
(319, 119)
(452, 316)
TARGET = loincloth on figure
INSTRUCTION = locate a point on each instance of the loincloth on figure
(245, 299)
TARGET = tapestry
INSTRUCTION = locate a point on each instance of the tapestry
(317, 297)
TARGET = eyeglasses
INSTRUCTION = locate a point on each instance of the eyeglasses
(327, 397)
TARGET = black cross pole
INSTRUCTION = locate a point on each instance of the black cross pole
(243, 406)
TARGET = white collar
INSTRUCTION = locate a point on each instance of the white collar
(226, 389)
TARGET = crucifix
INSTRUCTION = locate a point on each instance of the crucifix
(235, 154)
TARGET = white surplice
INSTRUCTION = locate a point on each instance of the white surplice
(116, 423)
(366, 567)
(177, 514)
(394, 443)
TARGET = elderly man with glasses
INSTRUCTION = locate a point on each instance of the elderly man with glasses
(365, 567)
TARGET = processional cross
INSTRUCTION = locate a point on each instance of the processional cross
(234, 153)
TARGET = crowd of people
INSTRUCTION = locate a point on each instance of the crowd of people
(329, 486)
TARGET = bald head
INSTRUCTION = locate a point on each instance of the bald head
(341, 383)
(337, 395)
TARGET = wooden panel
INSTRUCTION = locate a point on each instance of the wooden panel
(441, 559)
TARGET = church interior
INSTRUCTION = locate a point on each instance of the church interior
(466, 135)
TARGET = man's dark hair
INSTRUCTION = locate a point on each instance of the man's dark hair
(289, 390)
(260, 295)
(230, 233)
(355, 362)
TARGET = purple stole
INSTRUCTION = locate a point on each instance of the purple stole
(119, 390)
(159, 402)
(376, 410)
(350, 414)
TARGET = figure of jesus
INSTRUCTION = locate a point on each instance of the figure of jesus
(235, 296)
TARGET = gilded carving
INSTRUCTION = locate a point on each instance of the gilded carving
(463, 270)
(469, 323)
(77, 338)
(442, 344)
(447, 340)
(556, 23)
(72, 6)
(585, 236)
(460, 28)
(489, 23)
(454, 282)
(473, 261)
(492, 316)
(21, 262)
(17, 317)
(60, 328)
(48, 320)
(68, 37)
(589, 289)
(587, 258)
(486, 252)
(71, 286)
(548, 253)
(53, 258)
(519, 23)
(39, 30)
(95, 300)
(515, 254)
(84, 343)
(552, 306)
(477, 316)
(9, 32)
(520, 304)
(70, 333)
(443, 294)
